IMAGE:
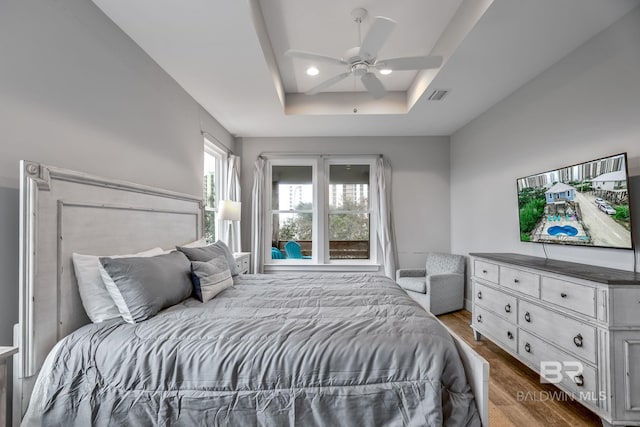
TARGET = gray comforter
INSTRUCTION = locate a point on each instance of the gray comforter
(274, 350)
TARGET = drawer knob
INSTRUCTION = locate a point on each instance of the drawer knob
(516, 281)
(527, 348)
(509, 335)
(479, 318)
(527, 317)
(484, 271)
(577, 340)
(479, 294)
(563, 295)
(507, 308)
(579, 380)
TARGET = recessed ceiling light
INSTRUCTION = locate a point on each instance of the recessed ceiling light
(313, 71)
(385, 71)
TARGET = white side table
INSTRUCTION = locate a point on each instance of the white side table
(243, 261)
(5, 355)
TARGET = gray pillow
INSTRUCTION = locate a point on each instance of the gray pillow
(210, 278)
(210, 252)
(148, 285)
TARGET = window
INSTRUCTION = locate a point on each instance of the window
(215, 161)
(325, 206)
(292, 207)
(349, 214)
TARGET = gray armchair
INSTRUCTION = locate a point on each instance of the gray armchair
(438, 288)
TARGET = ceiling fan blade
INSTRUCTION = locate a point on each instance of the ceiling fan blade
(374, 85)
(376, 37)
(327, 83)
(410, 63)
(293, 53)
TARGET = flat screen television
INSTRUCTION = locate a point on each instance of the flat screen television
(585, 204)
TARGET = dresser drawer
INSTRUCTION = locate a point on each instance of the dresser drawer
(500, 303)
(486, 271)
(521, 281)
(243, 259)
(569, 334)
(535, 350)
(495, 328)
(579, 298)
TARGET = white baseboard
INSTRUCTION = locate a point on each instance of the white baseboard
(467, 304)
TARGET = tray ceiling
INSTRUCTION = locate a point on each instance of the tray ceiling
(229, 55)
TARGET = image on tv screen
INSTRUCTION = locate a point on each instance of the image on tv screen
(585, 204)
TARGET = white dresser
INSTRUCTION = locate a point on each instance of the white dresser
(581, 321)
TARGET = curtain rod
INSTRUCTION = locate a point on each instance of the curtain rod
(268, 155)
(205, 133)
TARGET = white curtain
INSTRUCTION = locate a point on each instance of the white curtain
(233, 193)
(257, 217)
(386, 238)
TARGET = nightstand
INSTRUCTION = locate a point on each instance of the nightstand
(5, 356)
(243, 261)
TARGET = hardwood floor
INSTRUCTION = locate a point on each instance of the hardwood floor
(516, 396)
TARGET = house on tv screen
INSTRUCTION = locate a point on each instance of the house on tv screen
(560, 193)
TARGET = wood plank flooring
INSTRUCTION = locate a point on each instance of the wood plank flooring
(516, 396)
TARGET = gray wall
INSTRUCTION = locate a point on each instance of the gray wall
(76, 92)
(584, 107)
(420, 184)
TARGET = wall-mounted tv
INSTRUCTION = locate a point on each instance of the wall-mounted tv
(585, 204)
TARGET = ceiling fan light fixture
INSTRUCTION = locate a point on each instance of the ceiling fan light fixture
(362, 61)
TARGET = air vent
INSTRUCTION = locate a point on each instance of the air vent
(438, 94)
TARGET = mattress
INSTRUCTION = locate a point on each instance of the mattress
(273, 350)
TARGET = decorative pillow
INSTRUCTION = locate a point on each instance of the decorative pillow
(201, 242)
(207, 253)
(210, 278)
(93, 292)
(144, 286)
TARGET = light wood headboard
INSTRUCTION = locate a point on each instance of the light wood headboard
(62, 212)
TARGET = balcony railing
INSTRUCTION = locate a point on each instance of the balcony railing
(338, 249)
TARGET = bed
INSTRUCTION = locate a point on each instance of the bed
(311, 349)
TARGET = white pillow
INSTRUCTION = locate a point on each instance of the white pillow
(96, 300)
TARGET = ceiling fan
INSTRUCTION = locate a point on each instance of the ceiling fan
(362, 61)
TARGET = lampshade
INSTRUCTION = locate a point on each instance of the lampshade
(229, 210)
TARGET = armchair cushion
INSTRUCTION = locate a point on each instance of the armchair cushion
(444, 263)
(411, 272)
(412, 279)
(415, 284)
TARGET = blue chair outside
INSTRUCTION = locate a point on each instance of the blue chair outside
(294, 251)
(276, 254)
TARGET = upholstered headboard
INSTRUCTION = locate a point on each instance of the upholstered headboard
(62, 212)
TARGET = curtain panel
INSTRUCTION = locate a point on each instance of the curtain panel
(257, 217)
(386, 235)
(233, 193)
